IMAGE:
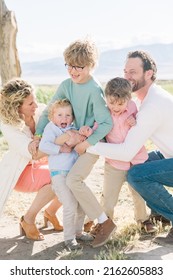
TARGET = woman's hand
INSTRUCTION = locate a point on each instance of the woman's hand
(33, 147)
(34, 151)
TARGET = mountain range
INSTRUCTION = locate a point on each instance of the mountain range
(111, 63)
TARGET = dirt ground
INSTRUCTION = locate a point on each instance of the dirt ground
(16, 247)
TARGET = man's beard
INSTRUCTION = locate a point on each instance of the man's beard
(138, 85)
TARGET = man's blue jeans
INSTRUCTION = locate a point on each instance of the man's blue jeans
(149, 180)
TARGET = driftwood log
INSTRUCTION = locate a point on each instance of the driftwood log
(9, 60)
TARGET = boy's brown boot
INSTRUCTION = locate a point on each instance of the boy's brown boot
(104, 233)
(94, 230)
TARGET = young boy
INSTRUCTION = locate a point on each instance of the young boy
(86, 96)
(61, 158)
(123, 111)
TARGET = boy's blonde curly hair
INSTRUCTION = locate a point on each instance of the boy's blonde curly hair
(12, 96)
(81, 53)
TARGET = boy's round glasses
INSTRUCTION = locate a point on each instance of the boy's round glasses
(77, 68)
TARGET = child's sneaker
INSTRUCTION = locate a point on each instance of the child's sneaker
(72, 244)
(85, 237)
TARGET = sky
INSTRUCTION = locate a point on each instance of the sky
(47, 27)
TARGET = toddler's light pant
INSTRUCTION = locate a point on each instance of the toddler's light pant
(73, 215)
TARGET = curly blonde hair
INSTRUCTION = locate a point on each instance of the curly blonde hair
(12, 96)
(81, 53)
(59, 104)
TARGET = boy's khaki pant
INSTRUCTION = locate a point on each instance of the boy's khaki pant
(75, 181)
(113, 181)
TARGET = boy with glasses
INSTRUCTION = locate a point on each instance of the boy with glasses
(86, 96)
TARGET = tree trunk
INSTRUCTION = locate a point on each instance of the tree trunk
(9, 61)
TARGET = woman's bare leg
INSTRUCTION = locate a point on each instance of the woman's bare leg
(53, 206)
(43, 197)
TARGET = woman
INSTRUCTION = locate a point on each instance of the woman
(19, 114)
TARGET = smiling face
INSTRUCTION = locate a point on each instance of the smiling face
(29, 106)
(116, 106)
(62, 116)
(135, 74)
(118, 93)
(79, 77)
(81, 54)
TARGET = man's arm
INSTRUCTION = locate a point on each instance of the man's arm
(146, 124)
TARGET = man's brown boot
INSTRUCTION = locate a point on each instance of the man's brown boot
(104, 233)
(148, 226)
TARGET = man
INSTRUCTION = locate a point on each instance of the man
(154, 121)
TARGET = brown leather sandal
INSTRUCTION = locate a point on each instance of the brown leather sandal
(30, 230)
(53, 220)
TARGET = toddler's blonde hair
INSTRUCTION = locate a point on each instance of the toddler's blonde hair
(58, 104)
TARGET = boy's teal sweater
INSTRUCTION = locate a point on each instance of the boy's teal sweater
(88, 105)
